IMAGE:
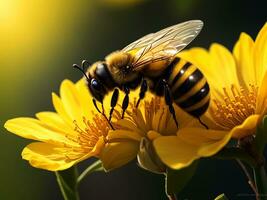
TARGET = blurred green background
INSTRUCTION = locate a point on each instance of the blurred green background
(39, 42)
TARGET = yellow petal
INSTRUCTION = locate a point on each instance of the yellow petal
(156, 120)
(174, 152)
(85, 99)
(127, 124)
(115, 155)
(140, 121)
(248, 127)
(49, 157)
(243, 53)
(198, 136)
(262, 96)
(59, 107)
(152, 135)
(207, 118)
(33, 129)
(70, 101)
(163, 121)
(222, 62)
(260, 54)
(123, 134)
(100, 144)
(55, 122)
(213, 146)
(189, 144)
(209, 148)
(193, 143)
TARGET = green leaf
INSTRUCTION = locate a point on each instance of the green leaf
(177, 179)
(261, 136)
(261, 181)
(95, 167)
(221, 197)
(67, 181)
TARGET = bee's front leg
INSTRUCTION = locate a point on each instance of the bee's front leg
(142, 92)
(113, 102)
(125, 102)
(103, 111)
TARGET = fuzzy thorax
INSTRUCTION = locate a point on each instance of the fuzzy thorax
(120, 66)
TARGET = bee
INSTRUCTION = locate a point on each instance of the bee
(152, 63)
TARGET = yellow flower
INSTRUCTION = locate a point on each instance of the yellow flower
(73, 133)
(136, 132)
(238, 100)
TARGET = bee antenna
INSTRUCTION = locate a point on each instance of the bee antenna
(84, 62)
(81, 69)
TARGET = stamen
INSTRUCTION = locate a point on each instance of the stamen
(88, 134)
(145, 115)
(238, 104)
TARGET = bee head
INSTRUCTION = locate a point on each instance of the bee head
(97, 89)
(95, 85)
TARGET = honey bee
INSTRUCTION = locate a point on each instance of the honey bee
(152, 63)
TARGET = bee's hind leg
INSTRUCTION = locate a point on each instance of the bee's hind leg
(169, 101)
(142, 92)
(113, 102)
(125, 102)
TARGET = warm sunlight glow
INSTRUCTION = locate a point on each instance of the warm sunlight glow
(7, 10)
(28, 29)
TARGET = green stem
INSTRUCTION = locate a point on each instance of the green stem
(96, 166)
(250, 179)
(67, 181)
(261, 182)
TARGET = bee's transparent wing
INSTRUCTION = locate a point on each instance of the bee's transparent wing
(164, 44)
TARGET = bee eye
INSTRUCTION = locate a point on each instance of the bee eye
(95, 85)
(97, 90)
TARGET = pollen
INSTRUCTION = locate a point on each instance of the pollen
(237, 105)
(88, 134)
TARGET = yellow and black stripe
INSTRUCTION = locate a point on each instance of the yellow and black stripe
(190, 89)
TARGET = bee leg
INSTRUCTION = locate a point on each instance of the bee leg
(94, 102)
(202, 123)
(142, 92)
(125, 102)
(102, 113)
(169, 100)
(114, 100)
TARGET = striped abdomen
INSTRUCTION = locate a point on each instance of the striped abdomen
(190, 89)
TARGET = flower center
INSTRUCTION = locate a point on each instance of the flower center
(151, 108)
(152, 115)
(89, 133)
(238, 104)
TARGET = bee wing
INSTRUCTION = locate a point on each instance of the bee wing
(164, 44)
